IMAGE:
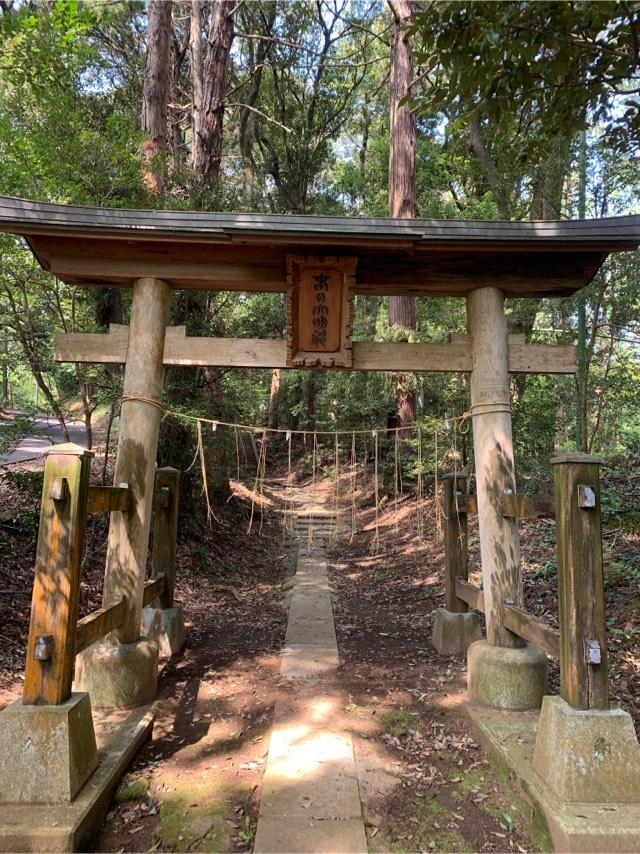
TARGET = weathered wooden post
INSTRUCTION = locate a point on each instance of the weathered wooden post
(163, 620)
(503, 671)
(585, 751)
(584, 672)
(37, 768)
(455, 628)
(123, 672)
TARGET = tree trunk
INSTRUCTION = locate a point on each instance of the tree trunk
(155, 98)
(247, 120)
(582, 375)
(208, 142)
(311, 402)
(402, 177)
(274, 396)
(487, 164)
(195, 67)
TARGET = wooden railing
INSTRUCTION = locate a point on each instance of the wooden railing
(580, 643)
(56, 635)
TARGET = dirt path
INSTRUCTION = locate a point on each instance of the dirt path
(196, 786)
(425, 784)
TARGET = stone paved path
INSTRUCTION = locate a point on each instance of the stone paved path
(310, 799)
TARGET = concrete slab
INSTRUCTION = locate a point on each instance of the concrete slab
(319, 632)
(302, 661)
(324, 836)
(310, 799)
(68, 827)
(577, 827)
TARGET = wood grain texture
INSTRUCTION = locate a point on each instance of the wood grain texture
(108, 499)
(153, 589)
(528, 506)
(470, 594)
(165, 532)
(580, 583)
(455, 541)
(193, 249)
(136, 457)
(525, 625)
(183, 350)
(302, 281)
(494, 459)
(96, 625)
(56, 588)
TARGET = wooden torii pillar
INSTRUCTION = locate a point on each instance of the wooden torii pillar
(122, 671)
(503, 657)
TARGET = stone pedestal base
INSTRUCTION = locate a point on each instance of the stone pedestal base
(118, 676)
(506, 678)
(587, 756)
(165, 627)
(48, 752)
(454, 633)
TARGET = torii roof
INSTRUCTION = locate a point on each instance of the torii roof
(247, 252)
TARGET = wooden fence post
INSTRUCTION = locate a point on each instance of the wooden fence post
(54, 605)
(455, 542)
(584, 681)
(165, 531)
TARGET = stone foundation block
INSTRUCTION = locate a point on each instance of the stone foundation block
(506, 678)
(587, 756)
(118, 676)
(454, 633)
(48, 752)
(165, 627)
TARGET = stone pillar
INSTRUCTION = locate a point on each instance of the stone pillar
(123, 671)
(499, 538)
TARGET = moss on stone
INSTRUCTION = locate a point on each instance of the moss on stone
(525, 808)
(398, 722)
(182, 827)
(433, 827)
(133, 790)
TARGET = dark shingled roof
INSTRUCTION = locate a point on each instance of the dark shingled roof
(248, 251)
(27, 217)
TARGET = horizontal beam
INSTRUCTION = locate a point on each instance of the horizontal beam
(106, 499)
(528, 506)
(153, 589)
(465, 503)
(473, 596)
(185, 351)
(528, 628)
(98, 624)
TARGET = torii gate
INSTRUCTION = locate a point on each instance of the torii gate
(320, 263)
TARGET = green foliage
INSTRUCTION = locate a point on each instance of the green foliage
(316, 140)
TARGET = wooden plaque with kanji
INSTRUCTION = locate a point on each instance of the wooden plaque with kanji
(319, 311)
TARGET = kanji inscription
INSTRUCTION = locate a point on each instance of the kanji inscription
(319, 312)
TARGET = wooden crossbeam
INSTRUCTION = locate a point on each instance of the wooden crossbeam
(470, 594)
(153, 589)
(105, 499)
(99, 623)
(186, 351)
(523, 624)
(528, 506)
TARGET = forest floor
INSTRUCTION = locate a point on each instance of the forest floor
(424, 782)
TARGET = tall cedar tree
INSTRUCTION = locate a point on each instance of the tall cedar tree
(155, 99)
(402, 177)
(208, 141)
